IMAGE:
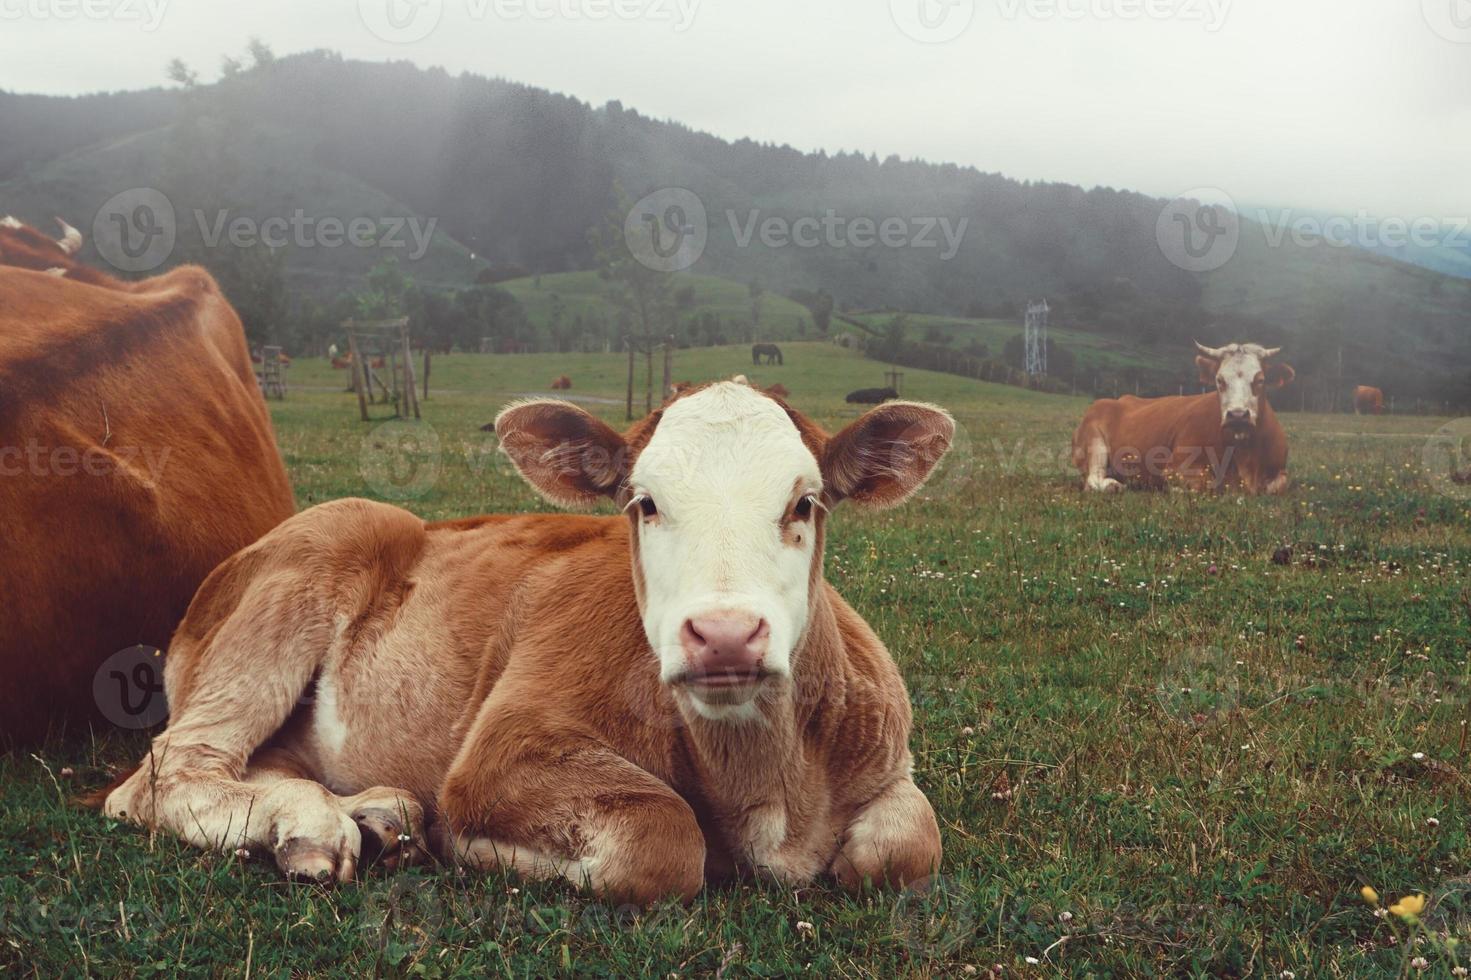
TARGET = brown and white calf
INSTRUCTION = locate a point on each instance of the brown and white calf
(637, 702)
(1226, 438)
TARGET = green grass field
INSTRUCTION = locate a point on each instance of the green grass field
(1152, 749)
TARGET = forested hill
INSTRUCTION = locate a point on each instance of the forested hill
(517, 176)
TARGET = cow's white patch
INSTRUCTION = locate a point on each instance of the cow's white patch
(56, 271)
(327, 723)
(729, 713)
(10, 222)
(723, 468)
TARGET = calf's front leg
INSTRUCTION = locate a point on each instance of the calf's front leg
(892, 841)
(548, 800)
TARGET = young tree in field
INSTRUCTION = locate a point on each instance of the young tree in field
(643, 296)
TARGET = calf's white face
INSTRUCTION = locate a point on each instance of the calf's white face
(1241, 374)
(726, 497)
(726, 490)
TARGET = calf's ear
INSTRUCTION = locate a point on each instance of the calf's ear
(1209, 367)
(568, 456)
(884, 457)
(1279, 374)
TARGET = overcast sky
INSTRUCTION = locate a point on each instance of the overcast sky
(1345, 105)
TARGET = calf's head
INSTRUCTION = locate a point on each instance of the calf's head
(1242, 373)
(727, 491)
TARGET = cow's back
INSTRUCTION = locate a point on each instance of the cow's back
(135, 454)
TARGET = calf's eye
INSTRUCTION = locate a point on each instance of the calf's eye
(647, 508)
(803, 510)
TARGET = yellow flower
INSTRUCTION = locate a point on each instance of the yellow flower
(1409, 907)
(1370, 895)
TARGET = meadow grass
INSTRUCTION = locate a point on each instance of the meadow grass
(1152, 749)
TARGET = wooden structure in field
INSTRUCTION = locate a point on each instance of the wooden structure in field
(384, 343)
(272, 375)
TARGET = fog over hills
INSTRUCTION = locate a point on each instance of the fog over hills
(498, 179)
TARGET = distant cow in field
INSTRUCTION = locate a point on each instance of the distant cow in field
(1226, 438)
(766, 354)
(135, 455)
(871, 396)
(1368, 401)
(342, 363)
(779, 390)
(562, 383)
(630, 702)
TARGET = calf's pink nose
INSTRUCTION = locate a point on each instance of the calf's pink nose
(725, 642)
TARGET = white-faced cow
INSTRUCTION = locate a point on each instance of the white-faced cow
(1226, 438)
(636, 703)
(136, 454)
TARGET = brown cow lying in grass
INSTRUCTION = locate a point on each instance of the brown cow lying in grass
(635, 702)
(136, 454)
(1226, 438)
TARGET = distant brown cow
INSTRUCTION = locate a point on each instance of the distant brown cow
(562, 383)
(779, 390)
(135, 455)
(1368, 401)
(1229, 437)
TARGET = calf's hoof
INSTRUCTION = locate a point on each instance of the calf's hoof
(392, 829)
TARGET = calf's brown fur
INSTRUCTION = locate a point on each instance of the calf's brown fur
(491, 678)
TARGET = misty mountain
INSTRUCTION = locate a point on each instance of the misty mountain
(513, 178)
